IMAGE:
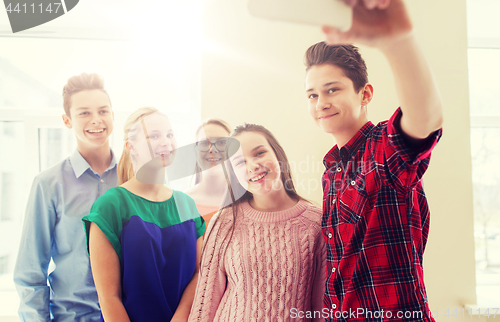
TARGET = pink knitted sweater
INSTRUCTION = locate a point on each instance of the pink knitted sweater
(273, 270)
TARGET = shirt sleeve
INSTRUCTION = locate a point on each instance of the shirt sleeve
(105, 213)
(405, 163)
(212, 280)
(187, 210)
(30, 273)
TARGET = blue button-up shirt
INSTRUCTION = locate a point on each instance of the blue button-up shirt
(59, 198)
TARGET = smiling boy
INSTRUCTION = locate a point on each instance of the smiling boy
(375, 213)
(59, 198)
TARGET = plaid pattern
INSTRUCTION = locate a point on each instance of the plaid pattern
(375, 223)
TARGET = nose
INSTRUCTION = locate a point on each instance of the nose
(167, 142)
(252, 165)
(322, 103)
(96, 118)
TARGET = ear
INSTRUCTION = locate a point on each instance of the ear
(67, 121)
(130, 148)
(366, 94)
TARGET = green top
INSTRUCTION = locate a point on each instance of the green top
(113, 210)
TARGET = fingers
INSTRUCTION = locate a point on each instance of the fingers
(350, 3)
(376, 4)
(335, 36)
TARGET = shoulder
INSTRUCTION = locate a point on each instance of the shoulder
(312, 212)
(55, 173)
(311, 219)
(114, 196)
(183, 200)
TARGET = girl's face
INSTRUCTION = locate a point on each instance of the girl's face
(211, 145)
(256, 165)
(153, 138)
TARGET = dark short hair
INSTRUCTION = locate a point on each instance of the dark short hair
(346, 57)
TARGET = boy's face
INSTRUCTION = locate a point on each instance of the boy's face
(333, 103)
(90, 117)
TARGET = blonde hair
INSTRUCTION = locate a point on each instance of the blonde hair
(80, 83)
(214, 121)
(125, 170)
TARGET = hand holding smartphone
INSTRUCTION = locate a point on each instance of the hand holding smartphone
(333, 13)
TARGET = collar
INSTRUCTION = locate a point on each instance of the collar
(80, 165)
(346, 152)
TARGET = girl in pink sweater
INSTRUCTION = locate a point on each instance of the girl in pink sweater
(264, 255)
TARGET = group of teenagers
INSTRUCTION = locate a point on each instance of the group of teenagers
(241, 244)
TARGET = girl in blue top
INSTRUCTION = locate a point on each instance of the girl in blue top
(143, 237)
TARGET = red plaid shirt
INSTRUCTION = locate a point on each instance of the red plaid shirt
(375, 223)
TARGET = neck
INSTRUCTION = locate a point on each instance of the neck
(154, 192)
(344, 137)
(212, 184)
(98, 158)
(273, 201)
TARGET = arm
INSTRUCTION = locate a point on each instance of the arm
(182, 312)
(30, 273)
(391, 31)
(212, 279)
(106, 271)
(318, 290)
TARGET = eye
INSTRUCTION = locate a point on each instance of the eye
(312, 96)
(154, 136)
(104, 112)
(170, 135)
(332, 90)
(260, 153)
(84, 113)
(240, 162)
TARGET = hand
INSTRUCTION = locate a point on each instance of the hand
(369, 4)
(373, 27)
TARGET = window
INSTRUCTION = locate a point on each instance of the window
(33, 134)
(483, 55)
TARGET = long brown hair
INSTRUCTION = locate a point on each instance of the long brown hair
(125, 170)
(213, 121)
(236, 193)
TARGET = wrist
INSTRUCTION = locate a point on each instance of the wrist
(399, 44)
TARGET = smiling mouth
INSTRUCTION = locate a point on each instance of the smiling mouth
(214, 160)
(327, 116)
(95, 131)
(257, 178)
(164, 154)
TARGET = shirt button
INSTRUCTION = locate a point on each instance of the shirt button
(333, 270)
(339, 169)
(334, 199)
(102, 180)
(334, 306)
(330, 235)
(353, 182)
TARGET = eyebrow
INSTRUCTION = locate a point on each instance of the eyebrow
(325, 85)
(86, 108)
(257, 147)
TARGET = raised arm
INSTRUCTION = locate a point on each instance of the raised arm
(106, 271)
(391, 30)
(30, 273)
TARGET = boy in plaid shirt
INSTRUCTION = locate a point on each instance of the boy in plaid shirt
(375, 213)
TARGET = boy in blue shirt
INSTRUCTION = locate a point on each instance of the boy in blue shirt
(59, 198)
